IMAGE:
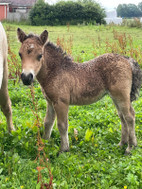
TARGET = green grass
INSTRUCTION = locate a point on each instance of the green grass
(94, 160)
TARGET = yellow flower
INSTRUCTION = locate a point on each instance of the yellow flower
(93, 139)
(6, 179)
(125, 187)
(96, 145)
(21, 187)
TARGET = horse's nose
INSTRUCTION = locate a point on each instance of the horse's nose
(27, 79)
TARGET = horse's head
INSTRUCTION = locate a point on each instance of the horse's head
(31, 53)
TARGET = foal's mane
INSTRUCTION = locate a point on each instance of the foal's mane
(58, 50)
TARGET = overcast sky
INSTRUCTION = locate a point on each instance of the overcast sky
(108, 4)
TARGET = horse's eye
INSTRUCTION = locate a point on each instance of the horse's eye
(29, 51)
(20, 55)
(39, 57)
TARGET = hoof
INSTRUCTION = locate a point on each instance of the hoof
(45, 137)
(134, 144)
(61, 151)
(129, 148)
(122, 143)
(11, 129)
(127, 152)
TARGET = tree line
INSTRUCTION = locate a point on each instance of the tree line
(67, 12)
(129, 10)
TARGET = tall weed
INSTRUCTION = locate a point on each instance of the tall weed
(123, 44)
(41, 160)
(132, 23)
(14, 66)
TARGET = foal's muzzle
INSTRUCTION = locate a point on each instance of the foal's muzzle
(27, 79)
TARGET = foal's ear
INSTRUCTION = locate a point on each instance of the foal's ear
(43, 37)
(21, 35)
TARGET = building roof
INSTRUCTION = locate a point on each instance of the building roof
(19, 3)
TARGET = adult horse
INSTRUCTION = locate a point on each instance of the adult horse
(65, 83)
(5, 102)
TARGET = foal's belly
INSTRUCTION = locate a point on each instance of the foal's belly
(86, 98)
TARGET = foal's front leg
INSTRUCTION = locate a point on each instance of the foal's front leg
(62, 121)
(49, 121)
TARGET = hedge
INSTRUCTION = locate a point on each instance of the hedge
(67, 12)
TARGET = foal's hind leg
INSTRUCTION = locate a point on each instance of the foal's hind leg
(49, 121)
(124, 131)
(132, 136)
(62, 121)
(127, 111)
(124, 128)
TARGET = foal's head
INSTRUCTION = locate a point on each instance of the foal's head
(31, 53)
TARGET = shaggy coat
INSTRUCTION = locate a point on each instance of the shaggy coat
(65, 83)
(5, 102)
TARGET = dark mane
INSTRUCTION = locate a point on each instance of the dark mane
(58, 50)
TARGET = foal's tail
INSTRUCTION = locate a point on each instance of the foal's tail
(136, 79)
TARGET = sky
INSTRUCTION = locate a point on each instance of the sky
(107, 4)
(110, 4)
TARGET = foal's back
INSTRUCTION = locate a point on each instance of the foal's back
(90, 81)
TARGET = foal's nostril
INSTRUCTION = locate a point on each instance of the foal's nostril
(27, 79)
(30, 76)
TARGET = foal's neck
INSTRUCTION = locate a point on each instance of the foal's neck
(54, 62)
(55, 57)
(42, 74)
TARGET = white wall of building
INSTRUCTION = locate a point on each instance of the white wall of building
(112, 17)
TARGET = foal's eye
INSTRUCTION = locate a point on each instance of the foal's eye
(29, 51)
(39, 57)
(20, 55)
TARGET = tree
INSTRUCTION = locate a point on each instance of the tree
(133, 10)
(140, 6)
(128, 10)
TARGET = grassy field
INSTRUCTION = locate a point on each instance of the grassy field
(94, 161)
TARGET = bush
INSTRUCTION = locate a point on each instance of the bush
(132, 23)
(39, 14)
(66, 12)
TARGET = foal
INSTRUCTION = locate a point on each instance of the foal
(65, 83)
(5, 102)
